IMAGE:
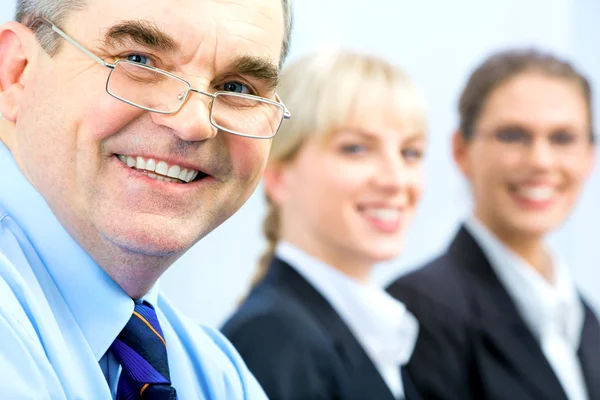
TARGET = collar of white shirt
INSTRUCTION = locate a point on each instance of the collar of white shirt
(99, 306)
(544, 306)
(381, 324)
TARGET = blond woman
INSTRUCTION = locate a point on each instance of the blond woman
(343, 182)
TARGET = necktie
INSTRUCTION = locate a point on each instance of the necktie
(141, 350)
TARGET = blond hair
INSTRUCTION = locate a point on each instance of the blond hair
(323, 90)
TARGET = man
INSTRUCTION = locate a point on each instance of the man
(130, 130)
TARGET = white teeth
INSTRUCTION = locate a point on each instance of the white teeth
(162, 168)
(536, 193)
(383, 214)
(150, 165)
(183, 175)
(188, 178)
(140, 163)
(163, 172)
(174, 171)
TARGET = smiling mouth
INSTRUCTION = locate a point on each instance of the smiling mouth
(385, 219)
(160, 170)
(534, 193)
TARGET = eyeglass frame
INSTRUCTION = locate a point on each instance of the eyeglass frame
(213, 97)
(493, 136)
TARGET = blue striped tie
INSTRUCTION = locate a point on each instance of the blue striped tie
(141, 350)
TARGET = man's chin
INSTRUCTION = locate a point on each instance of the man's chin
(153, 244)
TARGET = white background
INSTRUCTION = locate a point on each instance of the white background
(438, 42)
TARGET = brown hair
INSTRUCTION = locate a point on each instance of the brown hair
(500, 67)
(322, 90)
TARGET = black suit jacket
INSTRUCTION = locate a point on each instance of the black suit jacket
(299, 348)
(473, 344)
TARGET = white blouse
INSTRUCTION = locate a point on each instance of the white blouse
(381, 324)
(552, 310)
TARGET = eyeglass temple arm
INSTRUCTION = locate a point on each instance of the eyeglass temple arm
(72, 41)
(286, 112)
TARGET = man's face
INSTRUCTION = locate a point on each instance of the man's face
(72, 139)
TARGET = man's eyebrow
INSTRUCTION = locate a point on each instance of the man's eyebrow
(142, 32)
(258, 67)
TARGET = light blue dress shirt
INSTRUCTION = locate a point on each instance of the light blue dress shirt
(60, 312)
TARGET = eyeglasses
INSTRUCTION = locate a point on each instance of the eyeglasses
(561, 143)
(162, 92)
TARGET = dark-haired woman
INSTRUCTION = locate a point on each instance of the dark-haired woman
(499, 313)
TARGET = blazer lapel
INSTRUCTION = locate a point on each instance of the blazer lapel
(589, 353)
(360, 368)
(410, 390)
(504, 331)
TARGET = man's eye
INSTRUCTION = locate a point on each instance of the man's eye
(139, 59)
(236, 87)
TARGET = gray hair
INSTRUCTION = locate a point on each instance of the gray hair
(288, 18)
(58, 10)
(55, 10)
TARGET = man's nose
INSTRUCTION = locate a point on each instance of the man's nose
(192, 122)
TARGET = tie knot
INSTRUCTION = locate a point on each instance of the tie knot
(141, 350)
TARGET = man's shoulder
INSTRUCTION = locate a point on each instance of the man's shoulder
(9, 303)
(190, 332)
(17, 309)
(13, 289)
(22, 318)
(10, 248)
(211, 354)
(16, 276)
(26, 371)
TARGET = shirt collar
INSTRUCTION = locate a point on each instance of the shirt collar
(99, 306)
(382, 324)
(543, 305)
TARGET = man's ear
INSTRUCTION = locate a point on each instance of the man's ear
(15, 43)
(276, 180)
(460, 148)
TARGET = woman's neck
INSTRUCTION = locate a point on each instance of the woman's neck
(350, 265)
(529, 247)
(536, 255)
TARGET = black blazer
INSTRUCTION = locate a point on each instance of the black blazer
(299, 348)
(472, 343)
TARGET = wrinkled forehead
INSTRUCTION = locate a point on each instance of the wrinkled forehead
(211, 32)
